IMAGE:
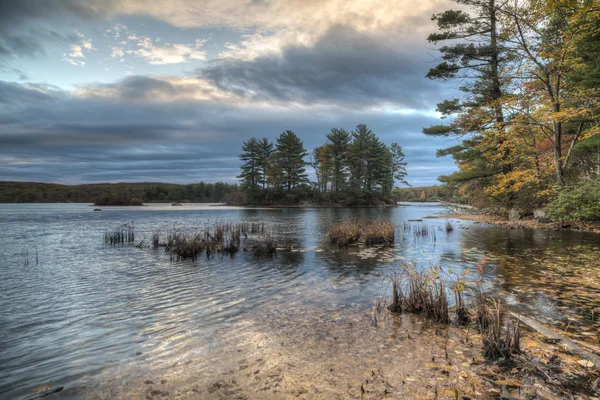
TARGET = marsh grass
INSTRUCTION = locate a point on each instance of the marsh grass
(420, 291)
(124, 233)
(425, 291)
(266, 246)
(224, 237)
(500, 340)
(368, 232)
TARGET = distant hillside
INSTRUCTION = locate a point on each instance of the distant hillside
(113, 193)
(424, 193)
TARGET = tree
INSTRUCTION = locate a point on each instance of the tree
(321, 162)
(265, 153)
(337, 153)
(398, 163)
(475, 56)
(289, 155)
(251, 167)
(370, 162)
(550, 38)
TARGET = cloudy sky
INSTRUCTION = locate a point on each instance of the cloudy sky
(141, 90)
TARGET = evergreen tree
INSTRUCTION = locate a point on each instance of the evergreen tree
(289, 155)
(337, 153)
(366, 159)
(266, 151)
(398, 163)
(475, 56)
(251, 167)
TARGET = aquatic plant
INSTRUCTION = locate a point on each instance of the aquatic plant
(420, 291)
(122, 234)
(266, 246)
(155, 239)
(223, 237)
(499, 340)
(369, 232)
(424, 291)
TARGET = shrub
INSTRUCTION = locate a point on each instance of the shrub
(579, 202)
(234, 199)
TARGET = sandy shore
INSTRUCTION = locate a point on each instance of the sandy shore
(525, 223)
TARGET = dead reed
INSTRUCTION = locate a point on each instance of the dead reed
(122, 234)
(368, 232)
(266, 246)
(499, 340)
(223, 237)
(424, 291)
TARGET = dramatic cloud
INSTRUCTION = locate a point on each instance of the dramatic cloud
(344, 66)
(51, 135)
(26, 26)
(304, 65)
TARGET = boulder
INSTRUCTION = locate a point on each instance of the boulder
(514, 214)
(539, 215)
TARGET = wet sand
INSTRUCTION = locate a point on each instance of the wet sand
(343, 355)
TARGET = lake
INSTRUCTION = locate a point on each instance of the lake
(95, 318)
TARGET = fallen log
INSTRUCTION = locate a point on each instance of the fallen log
(560, 339)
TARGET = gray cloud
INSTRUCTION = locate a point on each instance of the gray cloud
(28, 26)
(50, 135)
(344, 66)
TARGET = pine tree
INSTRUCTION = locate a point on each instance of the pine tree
(365, 158)
(266, 151)
(251, 167)
(475, 56)
(289, 156)
(398, 163)
(337, 153)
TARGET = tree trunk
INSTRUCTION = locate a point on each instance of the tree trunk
(557, 128)
(496, 90)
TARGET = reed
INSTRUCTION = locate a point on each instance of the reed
(345, 233)
(155, 239)
(223, 237)
(424, 291)
(266, 246)
(420, 292)
(499, 340)
(355, 231)
(122, 234)
(378, 232)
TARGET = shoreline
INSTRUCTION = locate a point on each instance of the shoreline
(526, 223)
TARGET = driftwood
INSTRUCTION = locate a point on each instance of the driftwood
(48, 393)
(559, 339)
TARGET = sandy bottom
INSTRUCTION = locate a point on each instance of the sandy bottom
(340, 355)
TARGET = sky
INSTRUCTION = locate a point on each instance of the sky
(140, 90)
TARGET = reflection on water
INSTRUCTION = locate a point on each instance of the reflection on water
(73, 311)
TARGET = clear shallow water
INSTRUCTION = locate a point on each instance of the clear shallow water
(76, 313)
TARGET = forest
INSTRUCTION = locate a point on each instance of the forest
(525, 78)
(113, 194)
(351, 168)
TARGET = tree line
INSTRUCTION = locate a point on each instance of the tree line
(527, 106)
(352, 168)
(114, 194)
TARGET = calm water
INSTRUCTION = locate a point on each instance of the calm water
(77, 313)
